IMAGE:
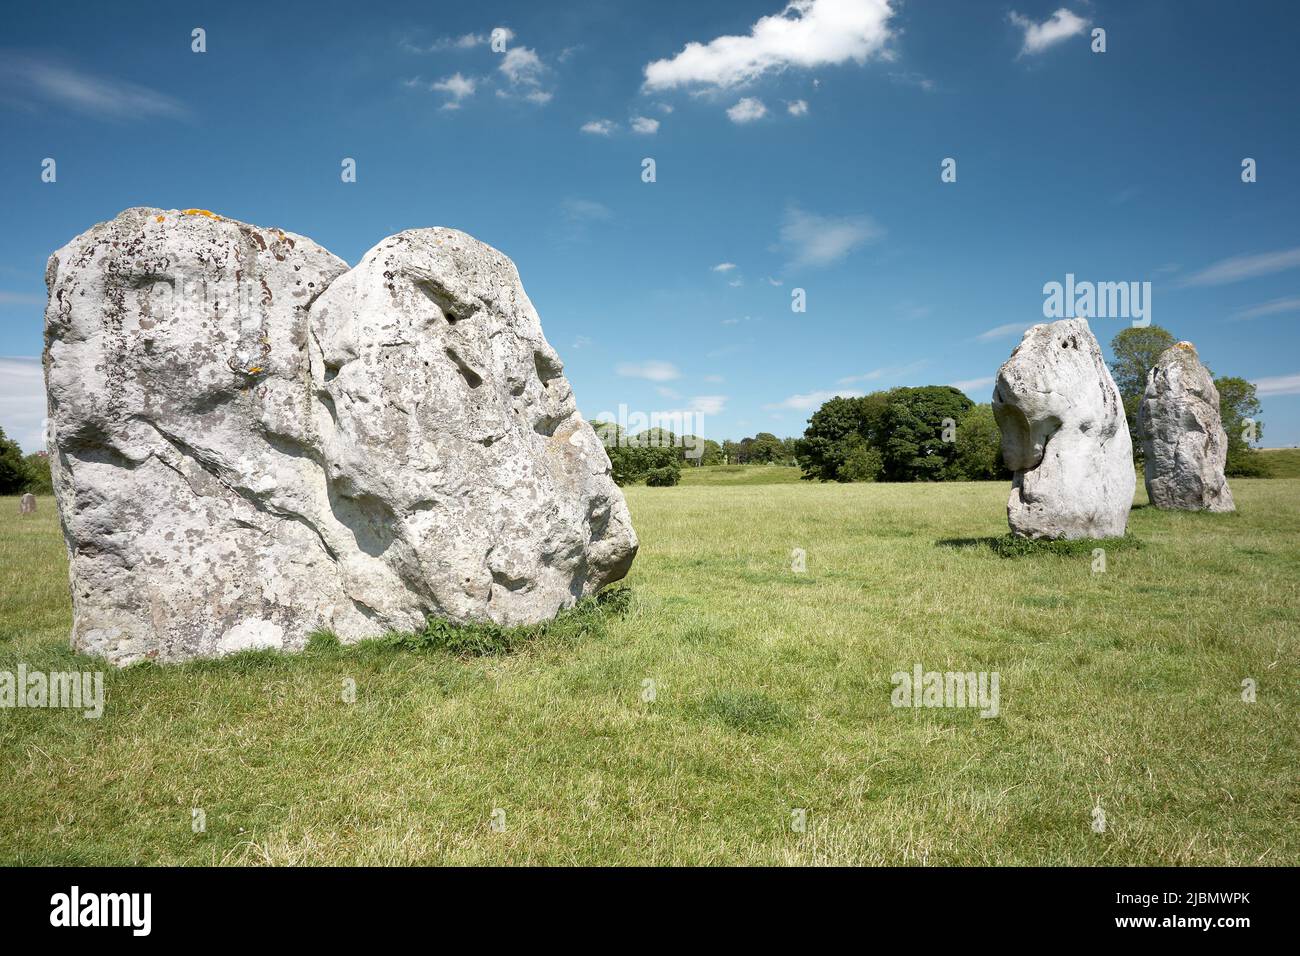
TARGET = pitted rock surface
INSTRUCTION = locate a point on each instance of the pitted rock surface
(1184, 446)
(1064, 435)
(251, 442)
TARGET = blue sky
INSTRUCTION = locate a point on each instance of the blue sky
(793, 149)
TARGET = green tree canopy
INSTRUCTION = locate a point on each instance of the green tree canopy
(914, 448)
(14, 475)
(1238, 403)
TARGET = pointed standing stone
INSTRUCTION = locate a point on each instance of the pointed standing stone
(1183, 441)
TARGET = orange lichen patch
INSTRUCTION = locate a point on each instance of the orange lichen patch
(199, 212)
(1186, 346)
(159, 218)
(255, 369)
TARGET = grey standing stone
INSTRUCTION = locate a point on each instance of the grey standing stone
(1064, 435)
(27, 504)
(1184, 445)
(252, 441)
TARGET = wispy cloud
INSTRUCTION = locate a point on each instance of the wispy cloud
(973, 384)
(1243, 267)
(1278, 385)
(34, 82)
(810, 401)
(466, 41)
(599, 127)
(813, 240)
(652, 370)
(797, 107)
(645, 125)
(585, 210)
(20, 298)
(806, 34)
(914, 79)
(1003, 331)
(1276, 307)
(1060, 26)
(723, 267)
(885, 373)
(22, 402)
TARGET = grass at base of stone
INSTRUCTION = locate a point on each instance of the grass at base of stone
(731, 690)
(587, 618)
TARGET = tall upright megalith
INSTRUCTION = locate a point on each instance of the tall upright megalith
(251, 441)
(1184, 445)
(1064, 436)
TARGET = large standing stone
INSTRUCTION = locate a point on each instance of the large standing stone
(27, 504)
(1183, 441)
(1064, 436)
(251, 441)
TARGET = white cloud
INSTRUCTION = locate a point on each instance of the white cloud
(524, 70)
(456, 86)
(747, 110)
(1278, 385)
(736, 283)
(806, 33)
(774, 282)
(1003, 331)
(724, 267)
(814, 240)
(653, 370)
(581, 342)
(522, 66)
(1243, 267)
(1276, 307)
(1061, 25)
(600, 127)
(644, 125)
(797, 107)
(973, 384)
(665, 108)
(29, 79)
(811, 401)
(22, 402)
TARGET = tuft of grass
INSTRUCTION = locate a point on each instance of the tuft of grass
(587, 618)
(1011, 546)
(747, 711)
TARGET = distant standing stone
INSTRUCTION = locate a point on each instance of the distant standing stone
(27, 505)
(1183, 441)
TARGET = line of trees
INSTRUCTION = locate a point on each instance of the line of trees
(20, 474)
(927, 433)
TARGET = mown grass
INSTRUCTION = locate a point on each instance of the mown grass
(740, 475)
(684, 723)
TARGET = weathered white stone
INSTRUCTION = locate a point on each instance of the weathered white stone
(251, 442)
(1183, 441)
(27, 504)
(1064, 436)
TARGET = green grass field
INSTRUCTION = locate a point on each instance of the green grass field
(1119, 690)
(1282, 462)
